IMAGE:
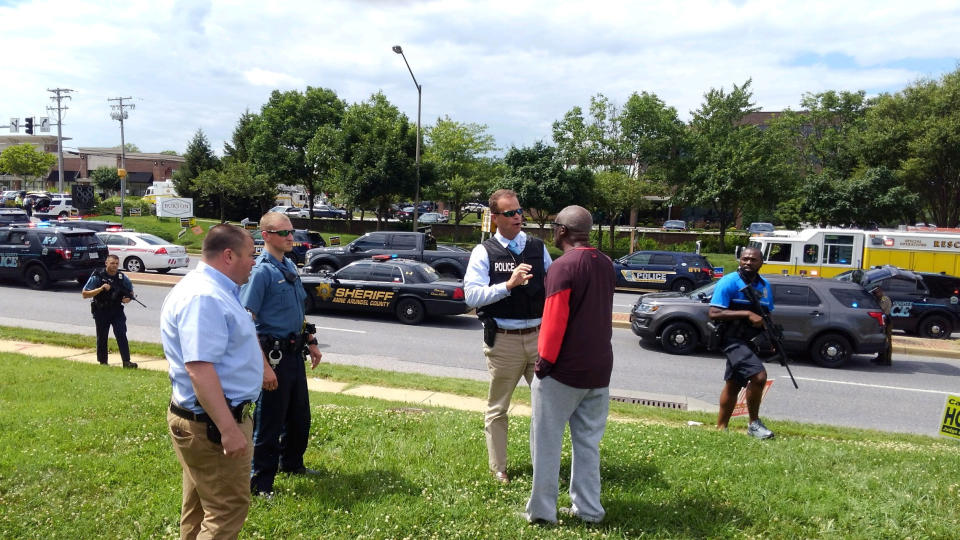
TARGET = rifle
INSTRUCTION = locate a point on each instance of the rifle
(775, 338)
(127, 293)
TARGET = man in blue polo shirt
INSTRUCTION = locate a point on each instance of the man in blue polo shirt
(741, 325)
(216, 370)
(275, 297)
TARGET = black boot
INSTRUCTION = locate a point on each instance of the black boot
(130, 365)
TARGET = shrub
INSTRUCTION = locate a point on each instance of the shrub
(106, 206)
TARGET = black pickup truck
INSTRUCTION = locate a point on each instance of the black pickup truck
(448, 262)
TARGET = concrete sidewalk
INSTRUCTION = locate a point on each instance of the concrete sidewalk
(941, 348)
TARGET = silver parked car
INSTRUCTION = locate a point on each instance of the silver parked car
(828, 320)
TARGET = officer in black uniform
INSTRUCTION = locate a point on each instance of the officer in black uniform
(110, 290)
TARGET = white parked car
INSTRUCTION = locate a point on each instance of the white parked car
(56, 207)
(142, 251)
(291, 211)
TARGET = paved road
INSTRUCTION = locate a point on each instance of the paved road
(908, 397)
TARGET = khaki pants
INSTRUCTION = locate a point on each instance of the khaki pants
(216, 489)
(511, 357)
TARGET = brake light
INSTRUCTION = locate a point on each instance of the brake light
(161, 251)
(458, 294)
(307, 245)
(878, 316)
(65, 253)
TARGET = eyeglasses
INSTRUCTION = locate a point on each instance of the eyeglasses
(555, 224)
(281, 233)
(511, 213)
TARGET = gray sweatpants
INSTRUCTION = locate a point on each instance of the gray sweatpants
(585, 409)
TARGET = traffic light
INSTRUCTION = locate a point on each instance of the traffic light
(28, 122)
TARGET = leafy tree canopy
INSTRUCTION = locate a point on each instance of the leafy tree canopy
(26, 161)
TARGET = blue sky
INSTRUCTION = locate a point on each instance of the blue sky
(514, 66)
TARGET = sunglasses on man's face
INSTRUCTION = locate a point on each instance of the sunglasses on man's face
(511, 213)
(281, 233)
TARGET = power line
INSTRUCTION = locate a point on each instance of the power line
(120, 113)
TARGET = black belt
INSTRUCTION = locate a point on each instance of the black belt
(239, 412)
(520, 332)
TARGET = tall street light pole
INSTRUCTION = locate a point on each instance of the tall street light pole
(416, 197)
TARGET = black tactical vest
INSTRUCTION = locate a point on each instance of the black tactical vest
(525, 301)
(112, 299)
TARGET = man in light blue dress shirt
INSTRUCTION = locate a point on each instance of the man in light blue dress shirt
(216, 371)
(504, 281)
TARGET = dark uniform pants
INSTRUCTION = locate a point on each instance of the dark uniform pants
(104, 320)
(282, 424)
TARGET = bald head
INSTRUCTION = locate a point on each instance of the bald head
(575, 218)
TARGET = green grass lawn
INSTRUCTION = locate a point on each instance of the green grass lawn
(84, 453)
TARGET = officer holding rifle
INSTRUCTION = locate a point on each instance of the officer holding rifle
(110, 290)
(740, 326)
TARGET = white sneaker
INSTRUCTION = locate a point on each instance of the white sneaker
(758, 430)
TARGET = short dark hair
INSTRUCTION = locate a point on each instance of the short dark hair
(112, 256)
(499, 194)
(222, 237)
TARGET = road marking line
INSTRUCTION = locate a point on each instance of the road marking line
(341, 329)
(886, 387)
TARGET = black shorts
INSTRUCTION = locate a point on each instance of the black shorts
(742, 362)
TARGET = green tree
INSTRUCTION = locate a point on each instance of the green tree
(542, 183)
(283, 131)
(105, 178)
(26, 161)
(198, 158)
(128, 147)
(237, 190)
(457, 152)
(371, 155)
(169, 152)
(240, 144)
(733, 163)
(615, 193)
(916, 132)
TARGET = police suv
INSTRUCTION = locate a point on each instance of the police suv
(662, 271)
(39, 255)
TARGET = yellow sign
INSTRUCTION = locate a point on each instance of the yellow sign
(486, 222)
(950, 426)
(122, 173)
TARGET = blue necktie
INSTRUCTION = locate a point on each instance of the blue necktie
(514, 247)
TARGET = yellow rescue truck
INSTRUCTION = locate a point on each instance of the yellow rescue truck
(828, 252)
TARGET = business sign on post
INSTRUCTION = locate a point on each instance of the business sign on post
(175, 207)
(135, 211)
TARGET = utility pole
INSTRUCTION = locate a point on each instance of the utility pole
(120, 113)
(59, 94)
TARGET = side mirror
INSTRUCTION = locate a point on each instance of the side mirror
(352, 247)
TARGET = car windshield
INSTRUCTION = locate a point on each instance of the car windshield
(761, 227)
(427, 273)
(674, 223)
(84, 239)
(705, 292)
(153, 240)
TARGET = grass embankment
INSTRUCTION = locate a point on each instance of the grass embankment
(84, 453)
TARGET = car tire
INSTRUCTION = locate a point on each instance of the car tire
(133, 264)
(36, 277)
(410, 311)
(324, 267)
(163, 270)
(62, 214)
(831, 350)
(935, 327)
(681, 285)
(679, 338)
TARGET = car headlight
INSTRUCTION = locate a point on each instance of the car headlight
(645, 308)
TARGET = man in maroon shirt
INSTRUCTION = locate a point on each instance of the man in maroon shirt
(572, 372)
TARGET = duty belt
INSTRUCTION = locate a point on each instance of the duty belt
(275, 347)
(239, 412)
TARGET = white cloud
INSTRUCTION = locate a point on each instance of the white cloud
(515, 66)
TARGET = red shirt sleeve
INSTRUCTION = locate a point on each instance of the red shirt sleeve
(556, 311)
